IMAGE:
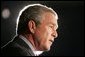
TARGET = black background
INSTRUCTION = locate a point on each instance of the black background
(70, 41)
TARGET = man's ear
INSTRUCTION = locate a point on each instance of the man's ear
(31, 26)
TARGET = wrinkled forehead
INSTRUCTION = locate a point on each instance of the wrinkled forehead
(53, 18)
(50, 17)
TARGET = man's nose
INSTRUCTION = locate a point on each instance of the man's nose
(55, 34)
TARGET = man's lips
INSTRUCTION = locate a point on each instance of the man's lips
(52, 40)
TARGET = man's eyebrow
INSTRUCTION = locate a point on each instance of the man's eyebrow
(54, 25)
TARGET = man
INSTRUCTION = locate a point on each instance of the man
(36, 30)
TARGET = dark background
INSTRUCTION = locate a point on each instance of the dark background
(70, 41)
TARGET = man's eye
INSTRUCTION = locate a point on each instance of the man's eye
(51, 26)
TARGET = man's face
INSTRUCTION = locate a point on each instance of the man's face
(46, 31)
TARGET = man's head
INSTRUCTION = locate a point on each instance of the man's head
(39, 21)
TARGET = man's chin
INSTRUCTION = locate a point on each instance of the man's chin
(48, 49)
(45, 49)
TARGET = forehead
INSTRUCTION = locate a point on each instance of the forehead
(50, 18)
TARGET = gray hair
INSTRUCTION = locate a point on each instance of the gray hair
(31, 12)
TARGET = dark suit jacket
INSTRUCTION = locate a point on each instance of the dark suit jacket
(17, 47)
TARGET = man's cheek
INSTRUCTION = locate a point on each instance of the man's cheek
(49, 31)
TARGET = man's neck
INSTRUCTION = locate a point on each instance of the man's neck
(30, 39)
(30, 43)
